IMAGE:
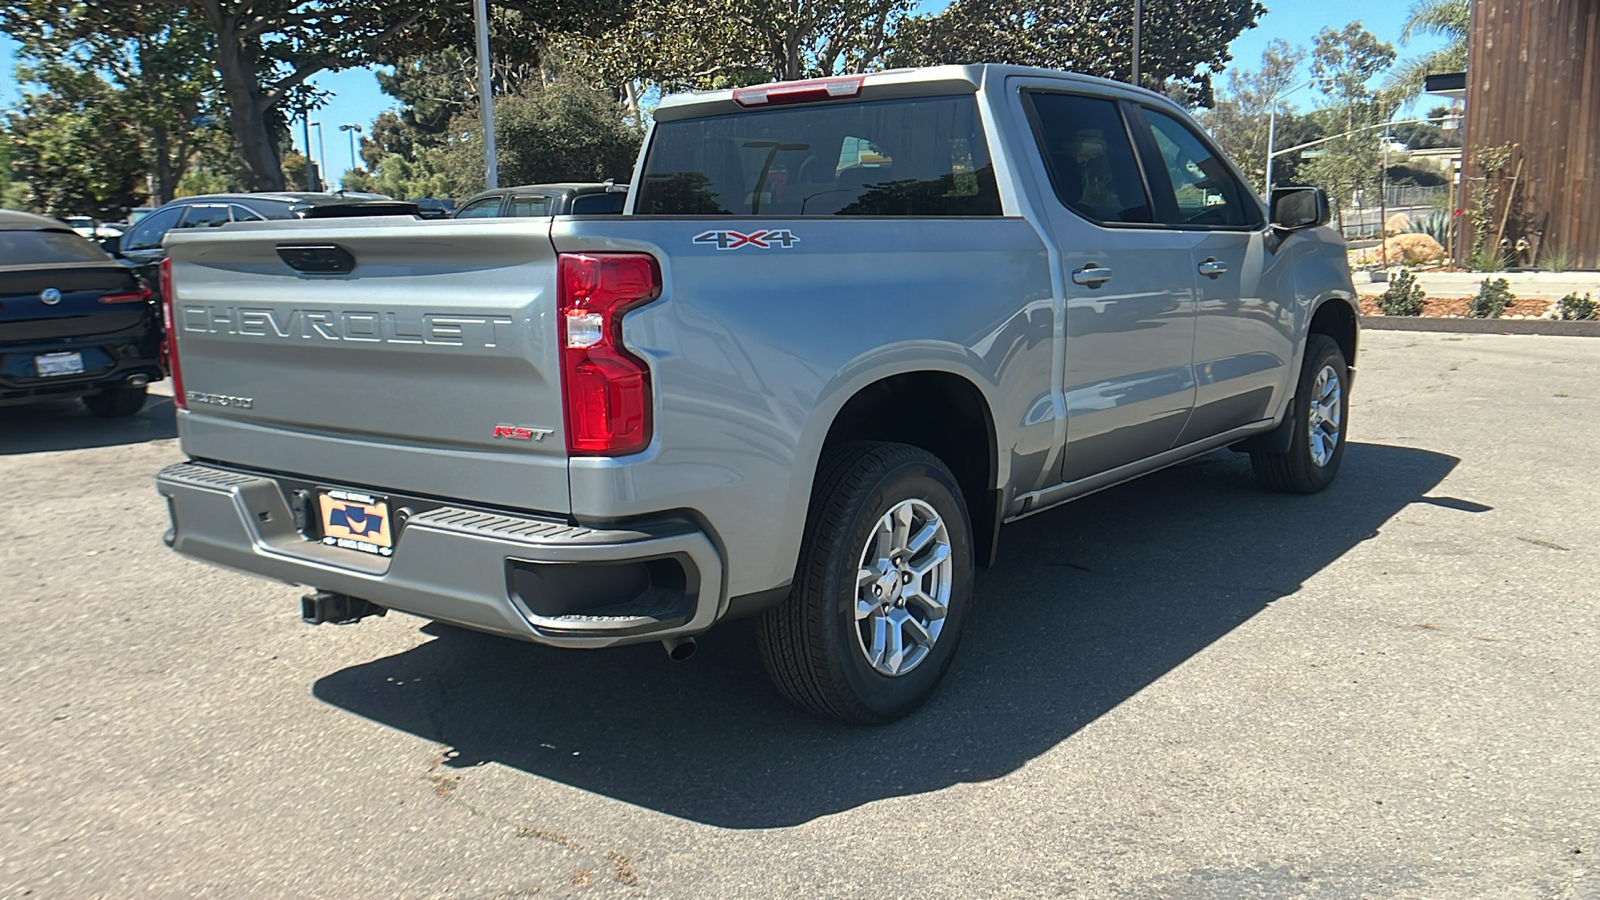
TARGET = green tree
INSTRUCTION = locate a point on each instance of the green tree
(568, 131)
(264, 51)
(75, 143)
(719, 43)
(1241, 119)
(1343, 65)
(1182, 42)
(1449, 19)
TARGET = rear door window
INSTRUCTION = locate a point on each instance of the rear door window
(530, 206)
(487, 208)
(921, 157)
(27, 248)
(1091, 161)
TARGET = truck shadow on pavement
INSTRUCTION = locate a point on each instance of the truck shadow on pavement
(1089, 604)
(67, 425)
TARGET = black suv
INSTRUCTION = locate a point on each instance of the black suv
(568, 199)
(73, 321)
(141, 244)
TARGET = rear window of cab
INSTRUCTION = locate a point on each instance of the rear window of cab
(918, 157)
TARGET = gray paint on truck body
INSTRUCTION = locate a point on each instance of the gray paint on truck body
(393, 377)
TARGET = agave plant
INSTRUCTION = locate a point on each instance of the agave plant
(1436, 225)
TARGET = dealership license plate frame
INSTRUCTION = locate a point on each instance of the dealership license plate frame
(370, 530)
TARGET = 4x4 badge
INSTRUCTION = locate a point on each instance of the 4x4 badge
(761, 240)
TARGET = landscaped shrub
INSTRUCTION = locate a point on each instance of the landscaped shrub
(1494, 295)
(1436, 225)
(1573, 307)
(1404, 297)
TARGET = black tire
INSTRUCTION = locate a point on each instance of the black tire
(809, 642)
(1297, 471)
(117, 402)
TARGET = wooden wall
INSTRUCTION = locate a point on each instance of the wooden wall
(1533, 79)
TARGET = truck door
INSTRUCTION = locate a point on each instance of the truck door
(1129, 287)
(1244, 314)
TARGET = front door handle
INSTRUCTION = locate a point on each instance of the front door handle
(1211, 268)
(1092, 275)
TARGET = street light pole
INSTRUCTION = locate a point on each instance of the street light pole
(1138, 28)
(491, 167)
(322, 152)
(1272, 134)
(352, 130)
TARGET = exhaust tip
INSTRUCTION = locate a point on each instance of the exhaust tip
(138, 380)
(679, 649)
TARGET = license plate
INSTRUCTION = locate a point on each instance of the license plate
(356, 521)
(52, 364)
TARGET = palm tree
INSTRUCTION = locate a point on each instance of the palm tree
(1449, 19)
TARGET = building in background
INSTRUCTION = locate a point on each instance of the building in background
(1532, 139)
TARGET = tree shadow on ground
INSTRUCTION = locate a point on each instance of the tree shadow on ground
(1088, 604)
(66, 425)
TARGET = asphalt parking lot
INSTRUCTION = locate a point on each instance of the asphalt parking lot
(1179, 688)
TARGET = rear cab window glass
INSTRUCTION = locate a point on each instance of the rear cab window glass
(1091, 161)
(609, 203)
(205, 216)
(1205, 192)
(21, 248)
(919, 157)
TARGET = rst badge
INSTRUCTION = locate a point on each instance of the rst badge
(761, 240)
(522, 432)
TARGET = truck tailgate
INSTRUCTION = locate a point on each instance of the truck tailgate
(399, 374)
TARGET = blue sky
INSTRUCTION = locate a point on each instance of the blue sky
(357, 100)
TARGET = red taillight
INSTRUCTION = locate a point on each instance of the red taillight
(605, 389)
(169, 343)
(799, 91)
(138, 296)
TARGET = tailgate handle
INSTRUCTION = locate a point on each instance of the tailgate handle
(317, 259)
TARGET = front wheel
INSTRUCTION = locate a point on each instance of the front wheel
(882, 588)
(1319, 415)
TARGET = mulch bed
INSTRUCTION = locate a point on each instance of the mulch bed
(1461, 306)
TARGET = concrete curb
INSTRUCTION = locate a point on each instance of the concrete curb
(1481, 326)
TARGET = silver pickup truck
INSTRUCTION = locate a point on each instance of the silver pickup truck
(846, 329)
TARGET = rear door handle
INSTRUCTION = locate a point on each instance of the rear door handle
(1092, 275)
(1211, 268)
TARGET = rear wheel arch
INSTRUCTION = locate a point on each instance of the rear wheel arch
(944, 413)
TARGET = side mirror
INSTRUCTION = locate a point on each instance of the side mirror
(1299, 208)
(112, 244)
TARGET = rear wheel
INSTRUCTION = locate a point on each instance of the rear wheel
(117, 402)
(1318, 416)
(882, 588)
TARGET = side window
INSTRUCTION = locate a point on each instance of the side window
(242, 214)
(530, 206)
(487, 208)
(1205, 192)
(205, 216)
(1092, 164)
(151, 229)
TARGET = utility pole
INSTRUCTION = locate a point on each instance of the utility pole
(491, 167)
(1138, 29)
(313, 183)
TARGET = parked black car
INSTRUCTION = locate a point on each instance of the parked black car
(141, 245)
(572, 199)
(73, 321)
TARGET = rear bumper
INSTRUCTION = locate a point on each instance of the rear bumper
(533, 578)
(106, 364)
